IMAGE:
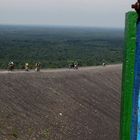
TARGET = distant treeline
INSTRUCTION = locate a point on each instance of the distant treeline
(58, 47)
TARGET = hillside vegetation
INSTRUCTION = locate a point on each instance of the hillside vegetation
(59, 46)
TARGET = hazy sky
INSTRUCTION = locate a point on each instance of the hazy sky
(98, 13)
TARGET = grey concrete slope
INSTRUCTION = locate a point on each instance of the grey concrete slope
(61, 105)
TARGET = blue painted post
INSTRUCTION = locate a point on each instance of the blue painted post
(135, 112)
(137, 77)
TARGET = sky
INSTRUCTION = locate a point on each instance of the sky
(94, 13)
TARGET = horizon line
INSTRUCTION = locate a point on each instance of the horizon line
(62, 26)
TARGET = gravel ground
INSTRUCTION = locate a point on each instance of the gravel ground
(61, 104)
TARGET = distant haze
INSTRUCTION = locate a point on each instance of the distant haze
(109, 13)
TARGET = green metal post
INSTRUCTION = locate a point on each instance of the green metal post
(128, 76)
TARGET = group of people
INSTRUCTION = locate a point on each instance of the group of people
(11, 66)
(74, 65)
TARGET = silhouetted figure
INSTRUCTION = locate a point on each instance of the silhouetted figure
(11, 66)
(73, 65)
(37, 67)
(104, 64)
(26, 66)
(76, 65)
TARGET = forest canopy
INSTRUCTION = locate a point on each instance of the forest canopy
(57, 47)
